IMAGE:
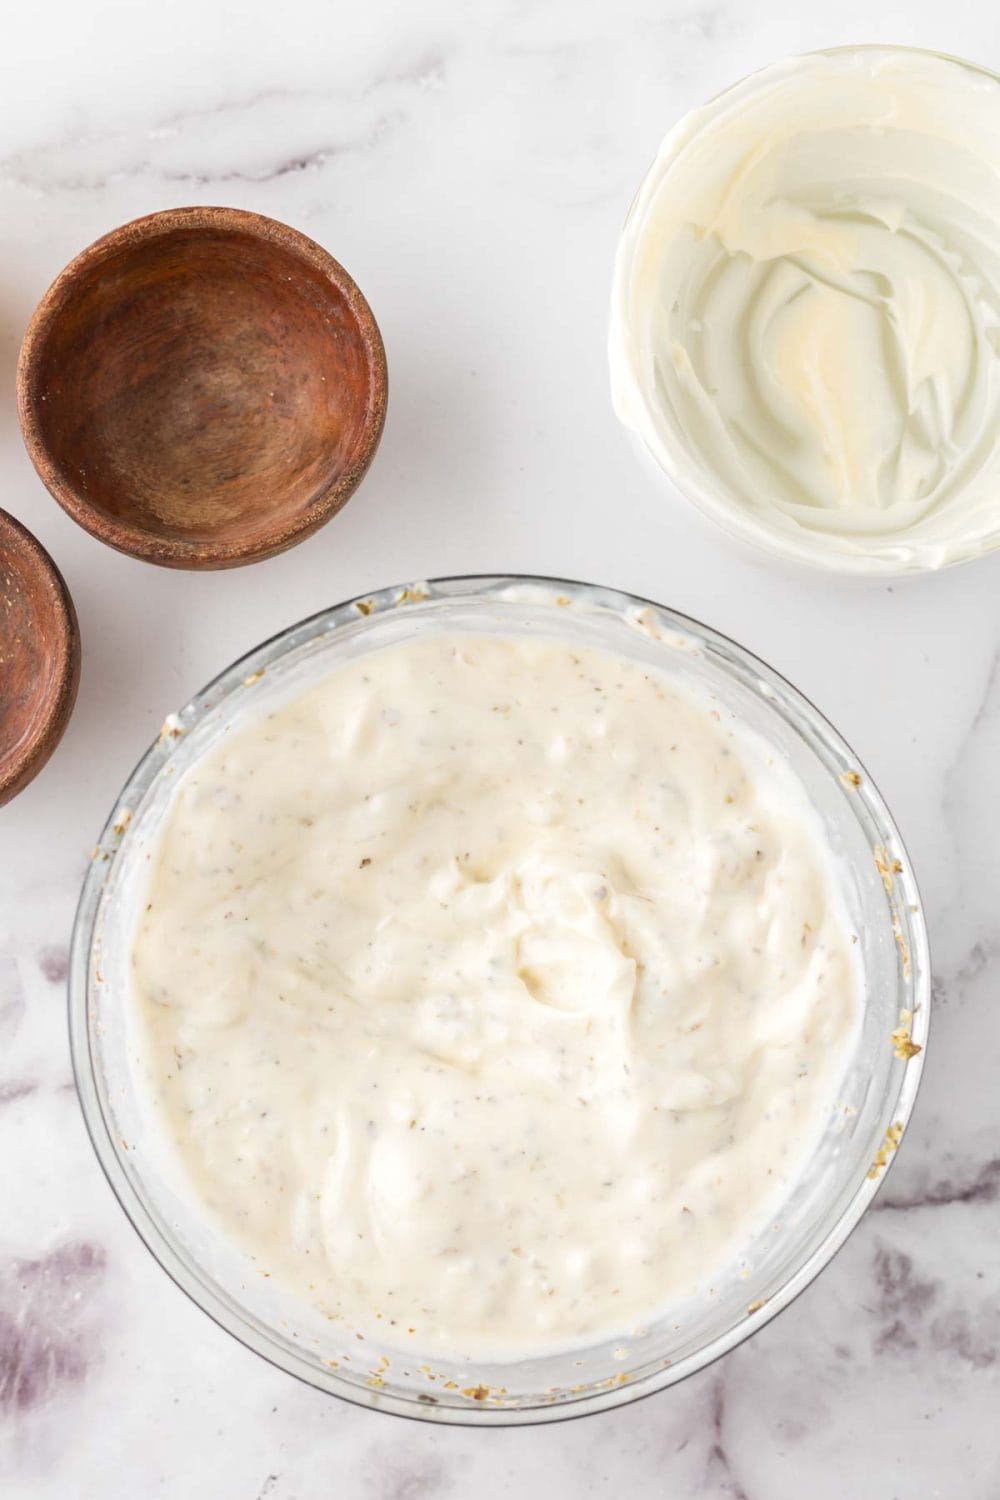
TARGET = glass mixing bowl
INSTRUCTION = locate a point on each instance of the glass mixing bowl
(842, 1177)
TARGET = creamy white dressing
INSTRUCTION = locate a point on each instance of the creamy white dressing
(806, 313)
(495, 991)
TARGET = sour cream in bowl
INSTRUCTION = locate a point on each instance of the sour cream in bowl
(805, 328)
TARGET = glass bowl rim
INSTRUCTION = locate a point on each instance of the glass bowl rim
(226, 1312)
(791, 550)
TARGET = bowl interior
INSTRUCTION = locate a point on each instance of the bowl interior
(39, 653)
(206, 385)
(786, 1254)
(701, 309)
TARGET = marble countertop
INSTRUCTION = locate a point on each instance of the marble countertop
(471, 167)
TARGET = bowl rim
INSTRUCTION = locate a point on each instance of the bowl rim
(127, 536)
(328, 623)
(22, 764)
(766, 541)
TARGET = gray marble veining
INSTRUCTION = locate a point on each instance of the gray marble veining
(471, 167)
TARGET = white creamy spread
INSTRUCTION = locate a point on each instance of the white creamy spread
(495, 992)
(806, 312)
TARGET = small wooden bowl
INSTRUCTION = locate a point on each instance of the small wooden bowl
(202, 388)
(39, 657)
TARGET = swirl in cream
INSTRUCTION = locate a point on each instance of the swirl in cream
(806, 314)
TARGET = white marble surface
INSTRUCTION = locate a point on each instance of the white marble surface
(471, 166)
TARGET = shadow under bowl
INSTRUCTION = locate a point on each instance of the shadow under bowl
(202, 388)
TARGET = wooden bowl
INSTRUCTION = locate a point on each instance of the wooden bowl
(202, 388)
(39, 657)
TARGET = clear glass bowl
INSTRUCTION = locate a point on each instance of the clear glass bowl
(842, 1178)
(657, 425)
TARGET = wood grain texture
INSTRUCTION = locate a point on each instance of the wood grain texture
(39, 657)
(202, 388)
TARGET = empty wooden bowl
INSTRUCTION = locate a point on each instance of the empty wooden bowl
(202, 388)
(39, 657)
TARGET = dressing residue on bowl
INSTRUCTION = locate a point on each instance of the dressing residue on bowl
(806, 312)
